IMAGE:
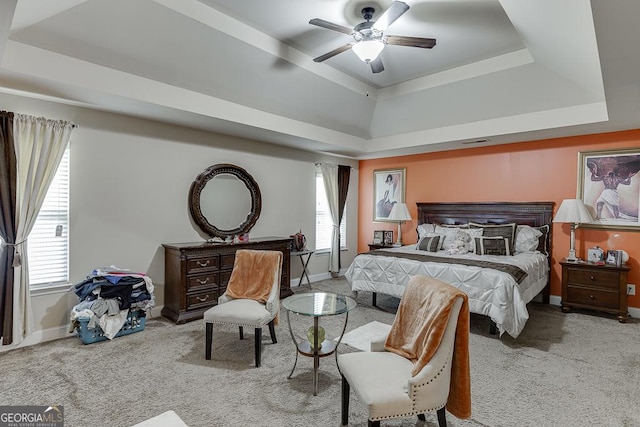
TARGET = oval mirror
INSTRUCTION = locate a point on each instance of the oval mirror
(225, 201)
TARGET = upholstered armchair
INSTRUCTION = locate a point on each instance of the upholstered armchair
(392, 385)
(252, 298)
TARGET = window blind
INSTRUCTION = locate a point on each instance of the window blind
(48, 242)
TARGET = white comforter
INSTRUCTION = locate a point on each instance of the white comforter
(491, 292)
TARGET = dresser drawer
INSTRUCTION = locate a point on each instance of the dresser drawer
(207, 298)
(197, 265)
(593, 297)
(201, 281)
(596, 278)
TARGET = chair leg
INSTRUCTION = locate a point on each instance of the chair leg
(258, 345)
(241, 332)
(421, 417)
(272, 332)
(208, 339)
(442, 419)
(345, 401)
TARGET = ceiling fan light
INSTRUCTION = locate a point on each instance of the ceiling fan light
(368, 50)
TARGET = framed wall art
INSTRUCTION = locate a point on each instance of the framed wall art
(609, 185)
(388, 189)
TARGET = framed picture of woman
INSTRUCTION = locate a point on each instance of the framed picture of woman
(388, 189)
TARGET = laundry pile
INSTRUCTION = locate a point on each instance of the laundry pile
(111, 299)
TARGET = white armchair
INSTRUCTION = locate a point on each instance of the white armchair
(252, 298)
(383, 381)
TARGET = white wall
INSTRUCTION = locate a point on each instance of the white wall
(130, 180)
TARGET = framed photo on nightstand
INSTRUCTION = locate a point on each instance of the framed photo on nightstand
(614, 258)
(378, 237)
(388, 238)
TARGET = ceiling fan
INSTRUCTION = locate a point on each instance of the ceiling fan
(370, 38)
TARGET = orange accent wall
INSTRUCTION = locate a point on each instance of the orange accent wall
(543, 170)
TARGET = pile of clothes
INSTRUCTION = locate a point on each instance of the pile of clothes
(106, 297)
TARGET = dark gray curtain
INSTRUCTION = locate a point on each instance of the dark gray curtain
(7, 224)
(344, 173)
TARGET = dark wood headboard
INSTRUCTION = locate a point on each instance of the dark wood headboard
(535, 214)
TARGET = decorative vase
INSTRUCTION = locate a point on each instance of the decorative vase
(320, 336)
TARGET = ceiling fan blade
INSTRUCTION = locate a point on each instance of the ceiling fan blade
(393, 12)
(410, 41)
(376, 65)
(331, 26)
(333, 53)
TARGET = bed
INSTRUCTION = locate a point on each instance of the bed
(498, 287)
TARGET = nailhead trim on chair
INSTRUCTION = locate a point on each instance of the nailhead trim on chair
(413, 399)
(238, 324)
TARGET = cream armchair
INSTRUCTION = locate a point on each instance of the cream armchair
(252, 298)
(383, 381)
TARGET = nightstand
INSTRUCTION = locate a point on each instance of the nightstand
(596, 287)
(373, 246)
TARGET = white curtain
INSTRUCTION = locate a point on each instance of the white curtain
(39, 144)
(330, 179)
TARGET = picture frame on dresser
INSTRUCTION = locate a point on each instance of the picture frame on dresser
(609, 186)
(378, 237)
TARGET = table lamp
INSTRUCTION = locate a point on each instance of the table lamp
(572, 211)
(400, 213)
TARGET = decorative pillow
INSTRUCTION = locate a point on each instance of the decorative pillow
(496, 245)
(423, 229)
(429, 243)
(527, 239)
(499, 230)
(448, 233)
(542, 240)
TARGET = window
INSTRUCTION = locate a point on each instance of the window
(49, 239)
(323, 219)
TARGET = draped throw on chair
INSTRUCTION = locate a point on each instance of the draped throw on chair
(7, 224)
(39, 146)
(336, 186)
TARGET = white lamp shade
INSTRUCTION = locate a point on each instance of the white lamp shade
(573, 211)
(368, 50)
(400, 212)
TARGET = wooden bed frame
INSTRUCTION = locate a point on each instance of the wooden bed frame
(535, 214)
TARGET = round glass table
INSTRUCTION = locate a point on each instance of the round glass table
(317, 305)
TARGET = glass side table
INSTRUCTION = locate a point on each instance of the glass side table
(317, 305)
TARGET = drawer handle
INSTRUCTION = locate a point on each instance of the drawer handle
(203, 282)
(203, 264)
(592, 278)
(592, 297)
(203, 299)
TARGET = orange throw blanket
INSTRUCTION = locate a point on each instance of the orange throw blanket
(419, 326)
(253, 274)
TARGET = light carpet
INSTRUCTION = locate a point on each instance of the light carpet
(360, 338)
(564, 370)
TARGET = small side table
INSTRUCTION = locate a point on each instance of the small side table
(374, 246)
(305, 263)
(316, 305)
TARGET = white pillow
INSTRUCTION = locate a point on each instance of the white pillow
(527, 239)
(423, 229)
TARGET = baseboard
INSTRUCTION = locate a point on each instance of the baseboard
(315, 278)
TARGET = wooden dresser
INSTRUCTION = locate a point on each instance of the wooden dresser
(196, 274)
(595, 287)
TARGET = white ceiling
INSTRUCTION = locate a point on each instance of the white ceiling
(502, 70)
